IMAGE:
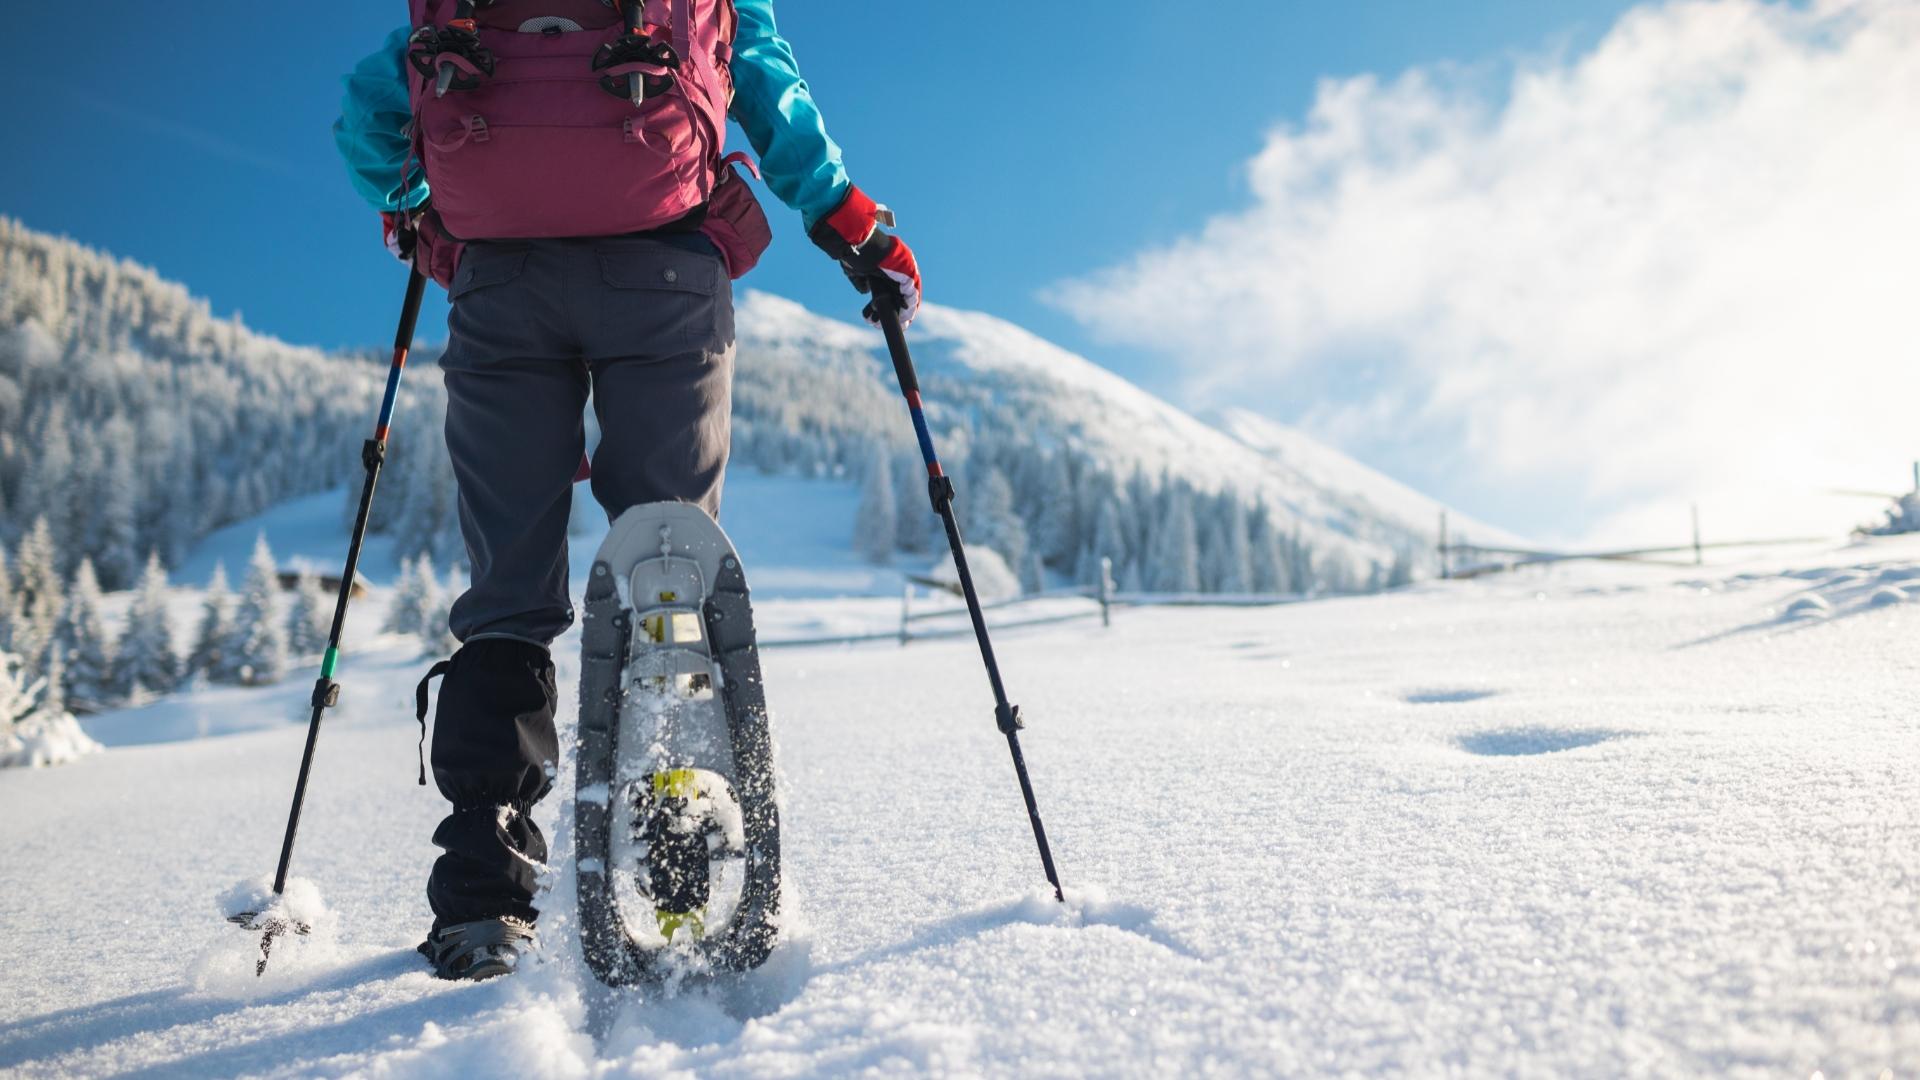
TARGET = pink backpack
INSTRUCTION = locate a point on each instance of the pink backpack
(558, 118)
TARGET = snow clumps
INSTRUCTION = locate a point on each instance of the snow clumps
(296, 929)
(35, 728)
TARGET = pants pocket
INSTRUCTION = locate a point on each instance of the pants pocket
(660, 300)
(493, 310)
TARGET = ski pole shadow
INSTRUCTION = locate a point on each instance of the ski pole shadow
(1082, 910)
(307, 1049)
(86, 1027)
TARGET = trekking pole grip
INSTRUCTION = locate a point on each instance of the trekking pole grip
(897, 347)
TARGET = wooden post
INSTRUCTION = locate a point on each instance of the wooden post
(906, 605)
(1697, 560)
(1446, 565)
(1106, 591)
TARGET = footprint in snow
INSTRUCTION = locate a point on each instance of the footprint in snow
(1523, 742)
(1446, 697)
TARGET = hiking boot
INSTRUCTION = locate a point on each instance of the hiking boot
(478, 950)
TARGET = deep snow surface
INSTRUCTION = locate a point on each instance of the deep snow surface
(1611, 821)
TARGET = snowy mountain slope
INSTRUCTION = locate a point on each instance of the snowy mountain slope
(1606, 821)
(1366, 491)
(135, 421)
(790, 529)
(99, 356)
(977, 367)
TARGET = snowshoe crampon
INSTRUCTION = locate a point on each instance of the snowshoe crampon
(678, 838)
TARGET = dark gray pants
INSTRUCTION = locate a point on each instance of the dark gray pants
(647, 326)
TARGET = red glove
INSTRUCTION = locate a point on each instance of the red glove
(398, 233)
(877, 262)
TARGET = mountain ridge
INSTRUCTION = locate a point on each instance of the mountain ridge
(1061, 462)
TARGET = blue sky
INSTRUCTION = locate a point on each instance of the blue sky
(1541, 260)
(201, 147)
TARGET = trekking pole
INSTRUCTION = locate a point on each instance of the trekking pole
(940, 491)
(326, 692)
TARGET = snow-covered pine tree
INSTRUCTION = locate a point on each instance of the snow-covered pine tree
(1302, 563)
(1401, 572)
(208, 657)
(991, 522)
(19, 693)
(146, 663)
(215, 495)
(1033, 575)
(400, 613)
(1228, 565)
(114, 547)
(6, 602)
(256, 653)
(54, 698)
(1265, 559)
(1334, 573)
(438, 636)
(88, 681)
(915, 523)
(875, 523)
(1140, 515)
(38, 596)
(177, 517)
(413, 598)
(1109, 542)
(1056, 521)
(35, 728)
(306, 617)
(46, 492)
(1174, 551)
(425, 497)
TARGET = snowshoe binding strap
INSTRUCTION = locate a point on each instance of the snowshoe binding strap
(678, 868)
(420, 709)
(478, 950)
(451, 56)
(641, 63)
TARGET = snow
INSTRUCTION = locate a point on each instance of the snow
(1595, 821)
(307, 533)
(1307, 456)
(993, 579)
(1334, 499)
(43, 739)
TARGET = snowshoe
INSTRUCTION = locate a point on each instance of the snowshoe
(478, 950)
(677, 839)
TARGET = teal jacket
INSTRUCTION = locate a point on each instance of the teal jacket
(771, 103)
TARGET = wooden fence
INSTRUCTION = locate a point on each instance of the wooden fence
(1490, 559)
(947, 620)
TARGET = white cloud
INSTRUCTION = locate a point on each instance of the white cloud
(1684, 265)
